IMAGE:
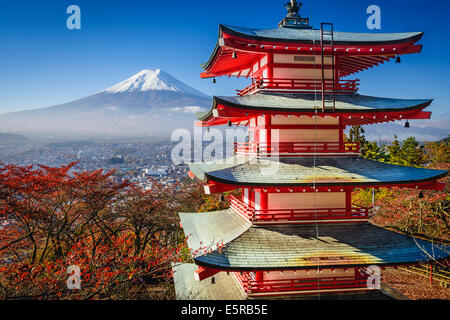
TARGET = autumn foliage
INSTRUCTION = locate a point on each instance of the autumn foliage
(415, 212)
(122, 238)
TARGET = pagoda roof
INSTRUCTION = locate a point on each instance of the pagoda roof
(203, 238)
(313, 35)
(252, 43)
(303, 246)
(226, 287)
(310, 171)
(351, 106)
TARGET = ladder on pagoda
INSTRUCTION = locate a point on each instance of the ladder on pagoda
(327, 50)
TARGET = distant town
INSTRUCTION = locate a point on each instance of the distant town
(140, 162)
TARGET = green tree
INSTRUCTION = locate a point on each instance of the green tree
(369, 150)
(356, 134)
(437, 152)
(409, 153)
(372, 151)
(395, 151)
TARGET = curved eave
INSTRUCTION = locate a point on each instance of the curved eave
(224, 110)
(342, 171)
(393, 183)
(402, 37)
(220, 101)
(232, 40)
(244, 247)
(214, 54)
(201, 261)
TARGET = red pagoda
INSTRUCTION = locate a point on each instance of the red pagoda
(293, 230)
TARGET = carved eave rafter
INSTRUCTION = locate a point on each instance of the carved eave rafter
(222, 113)
(214, 187)
(353, 56)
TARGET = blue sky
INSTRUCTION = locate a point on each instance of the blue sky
(43, 63)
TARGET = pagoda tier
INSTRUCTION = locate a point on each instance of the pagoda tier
(229, 286)
(223, 240)
(281, 259)
(325, 173)
(287, 53)
(307, 189)
(352, 109)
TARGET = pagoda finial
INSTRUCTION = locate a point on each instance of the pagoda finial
(293, 19)
(293, 8)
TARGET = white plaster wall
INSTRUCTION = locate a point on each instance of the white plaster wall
(309, 135)
(255, 67)
(309, 59)
(246, 196)
(261, 121)
(262, 135)
(277, 275)
(282, 120)
(289, 73)
(257, 200)
(306, 200)
(263, 61)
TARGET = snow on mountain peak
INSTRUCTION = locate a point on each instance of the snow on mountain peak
(153, 79)
(142, 81)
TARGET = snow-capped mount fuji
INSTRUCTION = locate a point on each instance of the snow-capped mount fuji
(153, 79)
(149, 103)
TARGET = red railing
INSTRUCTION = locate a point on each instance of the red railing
(297, 215)
(258, 148)
(299, 85)
(266, 286)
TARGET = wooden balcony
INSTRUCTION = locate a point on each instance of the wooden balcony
(299, 86)
(296, 148)
(299, 216)
(251, 286)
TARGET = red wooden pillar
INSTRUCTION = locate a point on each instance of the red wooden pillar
(264, 200)
(348, 201)
(263, 204)
(270, 65)
(268, 125)
(259, 279)
(341, 135)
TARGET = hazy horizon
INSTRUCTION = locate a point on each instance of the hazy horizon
(44, 64)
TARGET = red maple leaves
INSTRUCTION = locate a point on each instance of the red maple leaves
(117, 234)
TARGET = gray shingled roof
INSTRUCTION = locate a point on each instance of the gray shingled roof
(308, 35)
(200, 227)
(309, 171)
(225, 287)
(298, 102)
(307, 246)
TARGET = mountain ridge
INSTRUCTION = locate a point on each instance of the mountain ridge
(152, 103)
(149, 103)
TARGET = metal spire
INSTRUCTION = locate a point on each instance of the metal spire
(293, 18)
(293, 8)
